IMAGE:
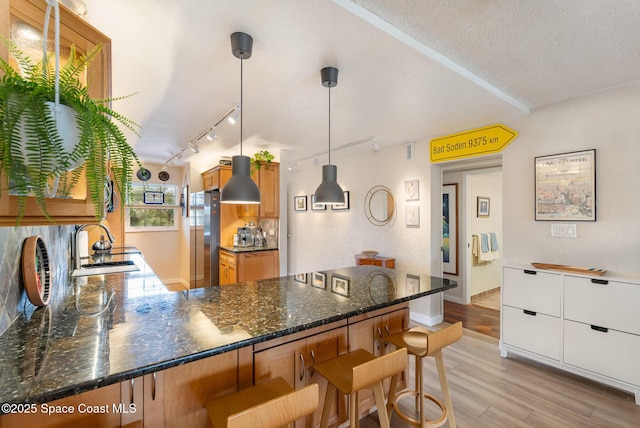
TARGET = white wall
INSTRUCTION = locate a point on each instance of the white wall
(319, 240)
(608, 122)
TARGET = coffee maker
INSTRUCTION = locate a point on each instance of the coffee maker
(244, 237)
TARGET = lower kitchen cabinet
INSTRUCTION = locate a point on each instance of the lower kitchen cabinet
(369, 332)
(175, 397)
(294, 361)
(586, 325)
(98, 408)
(248, 266)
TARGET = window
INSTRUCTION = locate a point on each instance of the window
(152, 207)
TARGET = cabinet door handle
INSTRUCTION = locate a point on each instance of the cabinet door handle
(302, 367)
(532, 313)
(386, 329)
(600, 329)
(530, 272)
(599, 281)
(131, 398)
(153, 387)
(313, 363)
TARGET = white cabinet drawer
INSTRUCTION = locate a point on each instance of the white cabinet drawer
(613, 354)
(532, 290)
(610, 304)
(534, 332)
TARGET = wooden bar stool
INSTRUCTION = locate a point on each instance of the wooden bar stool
(270, 404)
(358, 370)
(422, 343)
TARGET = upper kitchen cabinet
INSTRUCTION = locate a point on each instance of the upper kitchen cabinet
(216, 177)
(268, 180)
(20, 20)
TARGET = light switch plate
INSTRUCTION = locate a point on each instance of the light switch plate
(568, 230)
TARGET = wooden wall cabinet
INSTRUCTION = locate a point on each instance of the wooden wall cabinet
(268, 180)
(387, 262)
(216, 177)
(249, 266)
(74, 31)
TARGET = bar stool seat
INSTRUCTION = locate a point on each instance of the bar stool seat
(357, 370)
(421, 343)
(270, 404)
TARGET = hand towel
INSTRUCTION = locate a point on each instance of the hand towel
(494, 241)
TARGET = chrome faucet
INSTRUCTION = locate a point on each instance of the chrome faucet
(77, 263)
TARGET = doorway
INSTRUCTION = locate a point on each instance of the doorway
(479, 236)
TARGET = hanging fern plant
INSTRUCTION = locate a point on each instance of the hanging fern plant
(32, 152)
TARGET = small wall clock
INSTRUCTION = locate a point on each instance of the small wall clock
(36, 273)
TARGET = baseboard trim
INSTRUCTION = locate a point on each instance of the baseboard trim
(426, 320)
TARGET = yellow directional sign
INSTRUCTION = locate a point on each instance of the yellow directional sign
(475, 142)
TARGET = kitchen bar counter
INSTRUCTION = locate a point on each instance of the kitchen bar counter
(72, 347)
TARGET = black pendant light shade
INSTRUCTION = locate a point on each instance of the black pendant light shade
(329, 191)
(240, 189)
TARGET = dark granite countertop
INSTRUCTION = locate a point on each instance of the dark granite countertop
(247, 249)
(70, 347)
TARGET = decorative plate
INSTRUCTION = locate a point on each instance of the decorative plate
(163, 175)
(143, 174)
(36, 273)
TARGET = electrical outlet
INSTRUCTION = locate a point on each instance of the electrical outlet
(272, 232)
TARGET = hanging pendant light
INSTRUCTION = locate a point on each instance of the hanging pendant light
(329, 191)
(240, 189)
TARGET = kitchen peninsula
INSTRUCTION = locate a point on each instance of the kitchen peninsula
(166, 352)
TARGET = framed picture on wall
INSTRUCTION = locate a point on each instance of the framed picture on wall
(344, 206)
(300, 203)
(450, 229)
(483, 206)
(412, 216)
(566, 186)
(315, 206)
(412, 190)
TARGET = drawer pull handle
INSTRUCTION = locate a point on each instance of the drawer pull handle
(530, 272)
(601, 329)
(599, 281)
(530, 312)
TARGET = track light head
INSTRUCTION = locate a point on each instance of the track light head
(211, 134)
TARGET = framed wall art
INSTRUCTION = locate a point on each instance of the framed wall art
(412, 216)
(300, 203)
(566, 186)
(412, 190)
(450, 229)
(315, 206)
(344, 206)
(482, 206)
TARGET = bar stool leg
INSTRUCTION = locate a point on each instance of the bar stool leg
(444, 385)
(378, 393)
(420, 391)
(328, 404)
(353, 410)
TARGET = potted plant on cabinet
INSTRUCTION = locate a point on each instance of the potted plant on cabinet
(32, 142)
(263, 157)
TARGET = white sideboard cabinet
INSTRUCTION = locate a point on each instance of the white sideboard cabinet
(586, 325)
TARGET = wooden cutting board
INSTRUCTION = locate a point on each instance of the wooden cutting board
(573, 269)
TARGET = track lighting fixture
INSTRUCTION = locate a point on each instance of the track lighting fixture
(211, 134)
(240, 189)
(233, 118)
(329, 191)
(194, 147)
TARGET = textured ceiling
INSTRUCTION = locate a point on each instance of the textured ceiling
(409, 69)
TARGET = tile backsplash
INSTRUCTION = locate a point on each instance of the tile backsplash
(13, 299)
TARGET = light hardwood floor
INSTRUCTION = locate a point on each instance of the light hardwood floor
(490, 391)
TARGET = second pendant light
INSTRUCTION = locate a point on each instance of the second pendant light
(329, 191)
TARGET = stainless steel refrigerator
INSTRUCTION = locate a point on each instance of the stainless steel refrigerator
(205, 238)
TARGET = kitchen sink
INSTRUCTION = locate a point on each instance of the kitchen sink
(105, 267)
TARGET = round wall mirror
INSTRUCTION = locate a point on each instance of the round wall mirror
(379, 205)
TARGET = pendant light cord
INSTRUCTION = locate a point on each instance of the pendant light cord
(329, 124)
(241, 108)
